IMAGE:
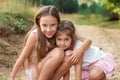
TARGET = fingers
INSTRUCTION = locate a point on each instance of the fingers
(72, 59)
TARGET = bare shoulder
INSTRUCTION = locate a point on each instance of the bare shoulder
(29, 46)
(31, 40)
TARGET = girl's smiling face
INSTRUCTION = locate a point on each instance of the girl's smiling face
(48, 25)
(63, 41)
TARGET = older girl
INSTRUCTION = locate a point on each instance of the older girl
(39, 52)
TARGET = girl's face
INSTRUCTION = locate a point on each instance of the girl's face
(48, 25)
(63, 41)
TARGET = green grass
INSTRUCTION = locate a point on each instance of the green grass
(96, 20)
(15, 22)
(18, 6)
(108, 24)
(17, 15)
(4, 78)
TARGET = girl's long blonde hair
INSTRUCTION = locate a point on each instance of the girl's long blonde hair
(42, 40)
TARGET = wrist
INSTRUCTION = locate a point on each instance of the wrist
(11, 77)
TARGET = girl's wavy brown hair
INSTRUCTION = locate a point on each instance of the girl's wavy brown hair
(42, 40)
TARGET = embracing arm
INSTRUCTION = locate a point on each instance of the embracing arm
(78, 70)
(86, 43)
(78, 56)
(79, 52)
(25, 53)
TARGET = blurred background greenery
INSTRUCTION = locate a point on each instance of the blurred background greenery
(18, 15)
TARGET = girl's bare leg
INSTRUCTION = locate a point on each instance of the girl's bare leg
(35, 72)
(96, 73)
(67, 76)
(51, 64)
(63, 68)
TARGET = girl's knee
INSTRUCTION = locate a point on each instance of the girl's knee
(68, 53)
(59, 53)
(96, 74)
(97, 77)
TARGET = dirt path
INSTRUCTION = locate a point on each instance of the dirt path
(107, 39)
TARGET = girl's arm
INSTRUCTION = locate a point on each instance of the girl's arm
(67, 76)
(25, 53)
(77, 56)
(79, 52)
(78, 70)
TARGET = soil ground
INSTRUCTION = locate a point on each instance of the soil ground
(107, 39)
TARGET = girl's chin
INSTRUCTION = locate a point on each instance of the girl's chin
(49, 36)
(64, 48)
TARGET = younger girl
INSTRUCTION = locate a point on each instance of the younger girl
(97, 65)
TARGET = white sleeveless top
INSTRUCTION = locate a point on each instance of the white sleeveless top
(92, 54)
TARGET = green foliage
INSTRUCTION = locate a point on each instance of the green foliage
(91, 7)
(64, 6)
(91, 19)
(67, 6)
(116, 2)
(113, 7)
(109, 24)
(4, 78)
(109, 8)
(48, 2)
(15, 22)
(33, 2)
(17, 15)
(18, 6)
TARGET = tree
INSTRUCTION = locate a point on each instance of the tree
(33, 2)
(47, 2)
(67, 6)
(90, 7)
(64, 6)
(113, 7)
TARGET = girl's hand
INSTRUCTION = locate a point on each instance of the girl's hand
(75, 57)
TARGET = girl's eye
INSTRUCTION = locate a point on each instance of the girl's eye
(44, 25)
(66, 39)
(58, 39)
(53, 25)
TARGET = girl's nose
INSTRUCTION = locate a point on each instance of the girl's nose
(48, 28)
(62, 42)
